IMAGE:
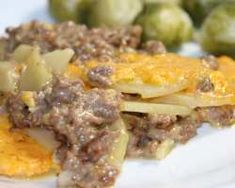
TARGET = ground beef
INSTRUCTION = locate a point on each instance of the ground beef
(205, 85)
(148, 132)
(210, 61)
(218, 116)
(154, 47)
(87, 43)
(80, 120)
(102, 43)
(161, 121)
(100, 76)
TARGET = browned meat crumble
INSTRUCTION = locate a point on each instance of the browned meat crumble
(148, 131)
(86, 43)
(101, 43)
(81, 119)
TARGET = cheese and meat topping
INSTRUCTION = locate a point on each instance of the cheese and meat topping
(103, 95)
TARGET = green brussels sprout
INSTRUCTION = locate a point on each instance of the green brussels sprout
(218, 31)
(113, 12)
(63, 10)
(199, 9)
(176, 2)
(165, 22)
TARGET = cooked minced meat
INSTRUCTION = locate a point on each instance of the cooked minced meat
(81, 120)
(205, 85)
(154, 47)
(218, 116)
(148, 131)
(87, 43)
(210, 61)
(100, 76)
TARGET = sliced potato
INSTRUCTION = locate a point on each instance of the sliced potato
(28, 98)
(21, 53)
(36, 74)
(8, 77)
(119, 147)
(58, 60)
(150, 91)
(43, 137)
(145, 107)
(164, 149)
(193, 100)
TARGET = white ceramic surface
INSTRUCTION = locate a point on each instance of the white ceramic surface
(207, 161)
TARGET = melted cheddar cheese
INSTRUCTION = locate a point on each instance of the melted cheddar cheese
(167, 70)
(20, 155)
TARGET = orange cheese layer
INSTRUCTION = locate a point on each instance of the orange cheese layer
(227, 67)
(157, 70)
(20, 155)
(168, 70)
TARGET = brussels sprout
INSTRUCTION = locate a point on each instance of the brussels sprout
(199, 9)
(176, 2)
(73, 10)
(165, 22)
(218, 31)
(113, 12)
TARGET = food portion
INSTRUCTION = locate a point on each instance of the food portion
(104, 95)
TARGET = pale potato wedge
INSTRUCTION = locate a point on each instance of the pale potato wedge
(145, 107)
(150, 91)
(118, 151)
(58, 60)
(194, 100)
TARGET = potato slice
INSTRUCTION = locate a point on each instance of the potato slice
(8, 77)
(193, 100)
(150, 91)
(119, 147)
(58, 60)
(36, 74)
(21, 53)
(164, 149)
(43, 137)
(145, 107)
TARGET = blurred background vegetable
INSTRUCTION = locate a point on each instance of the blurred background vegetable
(165, 22)
(63, 10)
(199, 9)
(176, 2)
(113, 12)
(218, 31)
(169, 21)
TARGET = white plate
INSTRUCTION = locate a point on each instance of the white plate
(207, 161)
